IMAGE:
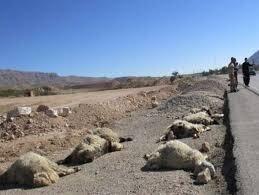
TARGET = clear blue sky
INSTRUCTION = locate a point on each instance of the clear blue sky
(125, 37)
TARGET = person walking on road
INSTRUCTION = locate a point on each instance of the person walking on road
(246, 74)
(231, 73)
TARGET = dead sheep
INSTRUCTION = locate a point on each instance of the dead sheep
(91, 148)
(178, 155)
(202, 109)
(200, 118)
(109, 135)
(34, 170)
(182, 129)
(106, 134)
(99, 142)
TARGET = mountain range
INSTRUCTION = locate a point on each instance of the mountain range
(22, 79)
(13, 79)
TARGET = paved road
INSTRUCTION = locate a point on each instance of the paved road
(254, 80)
(244, 122)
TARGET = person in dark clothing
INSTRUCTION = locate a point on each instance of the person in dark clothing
(246, 75)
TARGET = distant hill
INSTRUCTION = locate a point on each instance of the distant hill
(13, 79)
(254, 58)
(22, 79)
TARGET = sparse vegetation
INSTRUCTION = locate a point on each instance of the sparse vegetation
(223, 70)
(11, 93)
(40, 91)
(175, 74)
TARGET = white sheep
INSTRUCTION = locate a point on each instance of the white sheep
(177, 155)
(200, 118)
(34, 170)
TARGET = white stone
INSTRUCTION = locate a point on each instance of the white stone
(19, 111)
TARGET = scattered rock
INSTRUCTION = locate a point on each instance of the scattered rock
(32, 114)
(27, 126)
(65, 111)
(203, 177)
(2, 119)
(5, 135)
(30, 121)
(19, 133)
(12, 137)
(154, 102)
(52, 113)
(2, 159)
(13, 127)
(205, 147)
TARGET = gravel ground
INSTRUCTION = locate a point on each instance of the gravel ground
(121, 172)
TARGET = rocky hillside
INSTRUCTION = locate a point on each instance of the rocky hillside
(21, 79)
(255, 58)
(11, 79)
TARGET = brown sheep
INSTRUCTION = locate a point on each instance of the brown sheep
(182, 129)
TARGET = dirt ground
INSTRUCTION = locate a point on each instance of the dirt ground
(71, 99)
(121, 172)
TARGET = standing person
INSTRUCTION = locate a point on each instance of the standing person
(231, 74)
(246, 74)
(236, 71)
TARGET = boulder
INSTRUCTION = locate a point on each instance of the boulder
(52, 113)
(3, 118)
(203, 177)
(205, 147)
(42, 108)
(154, 102)
(19, 111)
(65, 111)
(30, 121)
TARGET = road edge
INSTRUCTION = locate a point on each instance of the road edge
(229, 170)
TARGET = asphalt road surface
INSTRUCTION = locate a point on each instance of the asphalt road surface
(254, 80)
(244, 122)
